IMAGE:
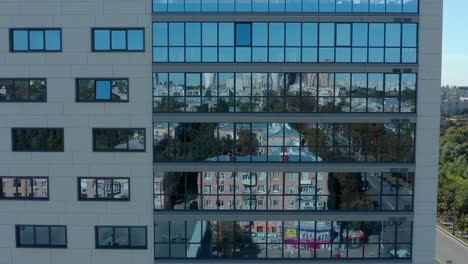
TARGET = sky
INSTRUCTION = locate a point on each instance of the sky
(455, 43)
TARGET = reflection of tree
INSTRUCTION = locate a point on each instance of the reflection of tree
(38, 139)
(183, 188)
(348, 192)
(168, 104)
(230, 240)
(247, 143)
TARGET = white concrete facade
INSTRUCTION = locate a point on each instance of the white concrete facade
(76, 18)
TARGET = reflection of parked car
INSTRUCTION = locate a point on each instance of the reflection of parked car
(401, 253)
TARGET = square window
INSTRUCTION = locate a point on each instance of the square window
(36, 40)
(53, 39)
(136, 39)
(102, 40)
(118, 39)
(20, 40)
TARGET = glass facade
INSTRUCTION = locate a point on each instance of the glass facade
(285, 42)
(288, 6)
(284, 142)
(285, 92)
(283, 191)
(283, 239)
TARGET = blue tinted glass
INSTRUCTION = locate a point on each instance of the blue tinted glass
(377, 6)
(53, 40)
(159, 5)
(243, 54)
(36, 40)
(392, 55)
(176, 6)
(176, 54)
(360, 34)
(410, 34)
(135, 39)
(276, 54)
(276, 34)
(394, 6)
(119, 40)
(210, 54)
(376, 54)
(310, 6)
(192, 5)
(260, 5)
(259, 54)
(102, 39)
(243, 5)
(260, 34)
(294, 6)
(193, 54)
(209, 5)
(210, 34)
(343, 34)
(361, 6)
(344, 6)
(277, 6)
(243, 34)
(20, 40)
(409, 55)
(226, 6)
(103, 90)
(343, 54)
(309, 34)
(359, 55)
(293, 54)
(327, 34)
(309, 54)
(160, 34)
(293, 34)
(176, 34)
(326, 55)
(326, 6)
(226, 54)
(226, 34)
(193, 34)
(410, 6)
(376, 34)
(160, 55)
(392, 35)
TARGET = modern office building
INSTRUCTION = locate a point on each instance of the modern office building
(190, 131)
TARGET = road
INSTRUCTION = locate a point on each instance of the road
(448, 248)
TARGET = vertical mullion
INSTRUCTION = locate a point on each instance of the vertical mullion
(44, 38)
(96, 187)
(95, 89)
(34, 235)
(110, 39)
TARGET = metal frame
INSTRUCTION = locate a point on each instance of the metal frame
(95, 179)
(96, 238)
(13, 136)
(77, 90)
(110, 29)
(12, 50)
(118, 150)
(18, 245)
(32, 191)
(29, 90)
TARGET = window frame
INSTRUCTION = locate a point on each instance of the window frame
(13, 136)
(29, 50)
(29, 90)
(95, 179)
(96, 238)
(17, 236)
(77, 90)
(118, 150)
(110, 29)
(32, 191)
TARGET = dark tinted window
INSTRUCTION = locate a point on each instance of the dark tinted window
(243, 34)
(38, 139)
(119, 139)
(127, 237)
(38, 236)
(23, 90)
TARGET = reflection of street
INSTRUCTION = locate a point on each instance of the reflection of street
(389, 198)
